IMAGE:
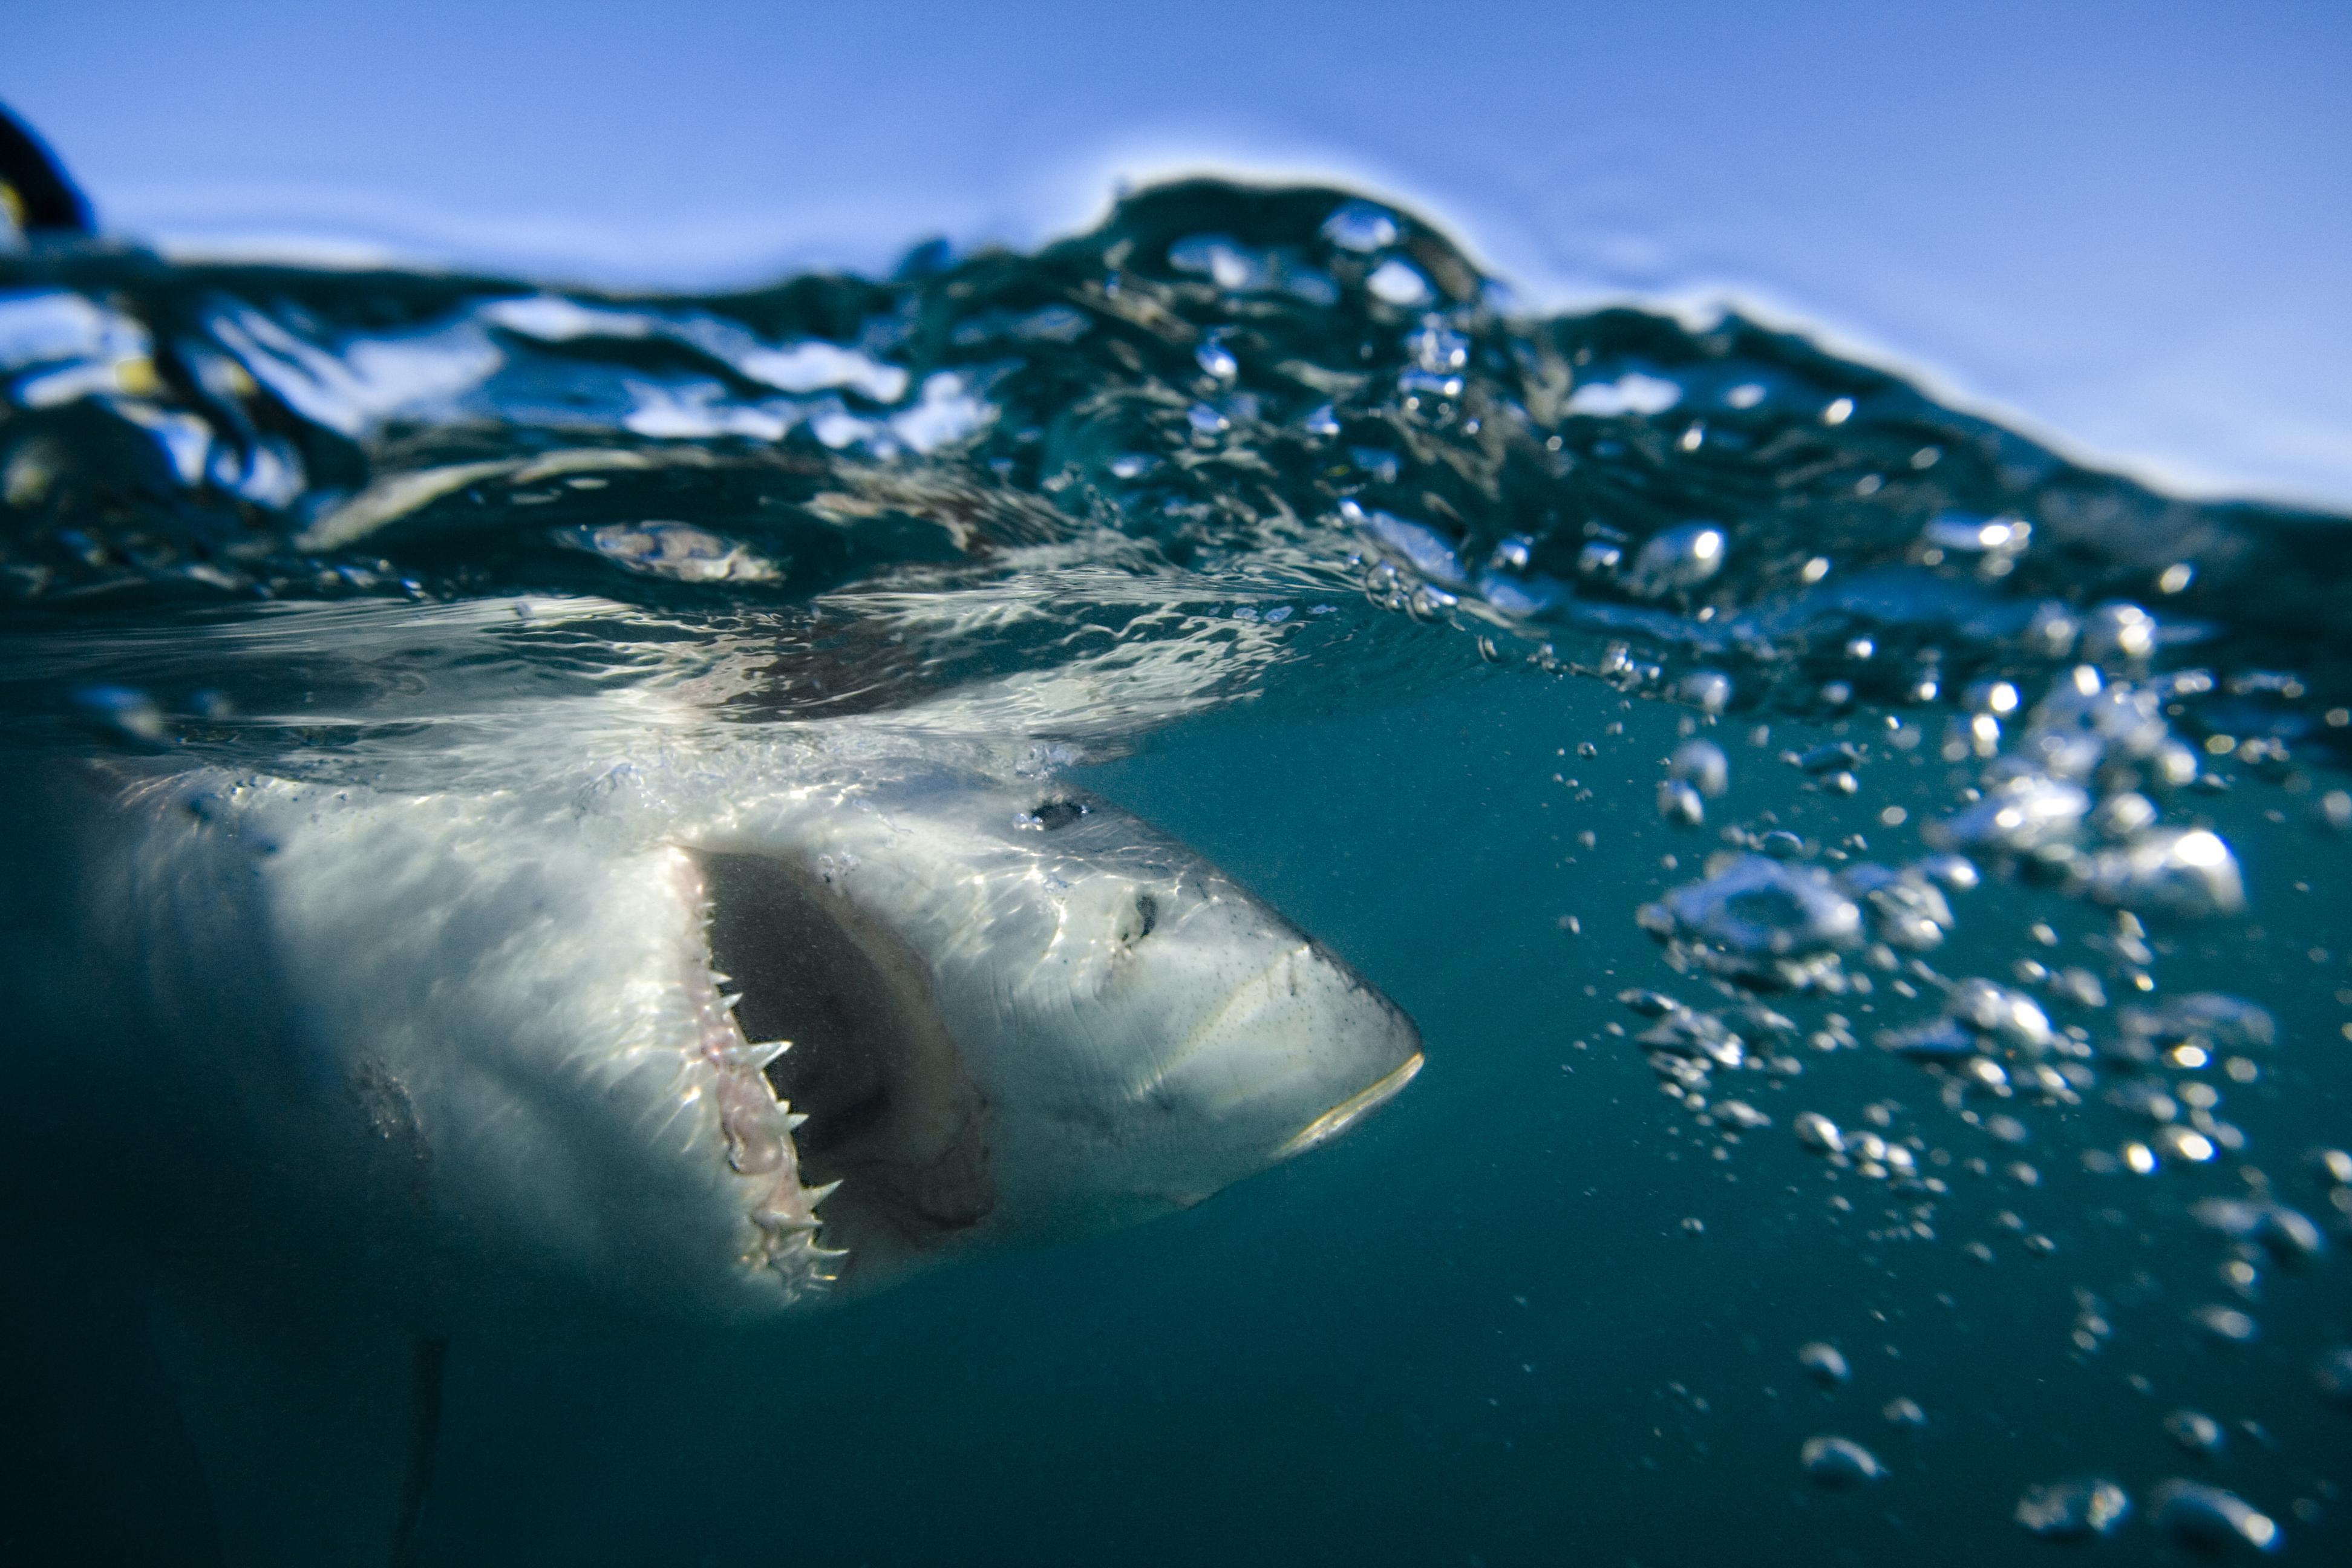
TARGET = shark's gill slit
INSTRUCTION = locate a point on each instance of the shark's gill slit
(891, 1113)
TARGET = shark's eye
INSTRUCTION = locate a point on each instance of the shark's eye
(1147, 915)
(1054, 814)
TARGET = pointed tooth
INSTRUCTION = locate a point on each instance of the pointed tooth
(816, 1251)
(730, 1000)
(719, 979)
(755, 1055)
(793, 1122)
(815, 1196)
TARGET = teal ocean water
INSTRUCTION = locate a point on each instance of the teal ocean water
(1871, 889)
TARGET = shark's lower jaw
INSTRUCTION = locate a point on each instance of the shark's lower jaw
(838, 1077)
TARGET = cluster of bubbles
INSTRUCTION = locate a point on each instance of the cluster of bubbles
(2087, 793)
(2202, 1516)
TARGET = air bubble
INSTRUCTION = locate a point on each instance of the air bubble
(1957, 873)
(1823, 1364)
(1398, 282)
(1680, 805)
(2079, 986)
(1760, 917)
(1710, 692)
(2118, 632)
(1361, 227)
(2209, 1518)
(1818, 1133)
(2225, 1325)
(2072, 1510)
(1676, 561)
(2189, 873)
(2196, 1432)
(2183, 1144)
(2123, 815)
(2006, 1019)
(1703, 765)
(2024, 814)
(1962, 534)
(1830, 756)
(1840, 1462)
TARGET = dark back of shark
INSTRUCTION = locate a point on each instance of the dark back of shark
(36, 196)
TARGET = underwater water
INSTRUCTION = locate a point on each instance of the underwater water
(1871, 890)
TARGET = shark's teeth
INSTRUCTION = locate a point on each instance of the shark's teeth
(755, 1055)
(794, 1120)
(795, 1256)
(815, 1196)
(730, 1000)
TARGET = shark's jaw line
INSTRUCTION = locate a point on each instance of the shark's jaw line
(1350, 1111)
(839, 1052)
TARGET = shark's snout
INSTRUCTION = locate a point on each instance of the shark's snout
(1289, 1058)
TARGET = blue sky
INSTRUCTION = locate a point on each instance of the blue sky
(2126, 224)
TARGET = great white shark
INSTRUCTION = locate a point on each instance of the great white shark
(707, 1035)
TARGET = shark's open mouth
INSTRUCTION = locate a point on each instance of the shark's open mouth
(877, 1098)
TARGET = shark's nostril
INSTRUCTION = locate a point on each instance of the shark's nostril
(1147, 915)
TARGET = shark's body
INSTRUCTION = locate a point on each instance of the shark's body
(375, 1071)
